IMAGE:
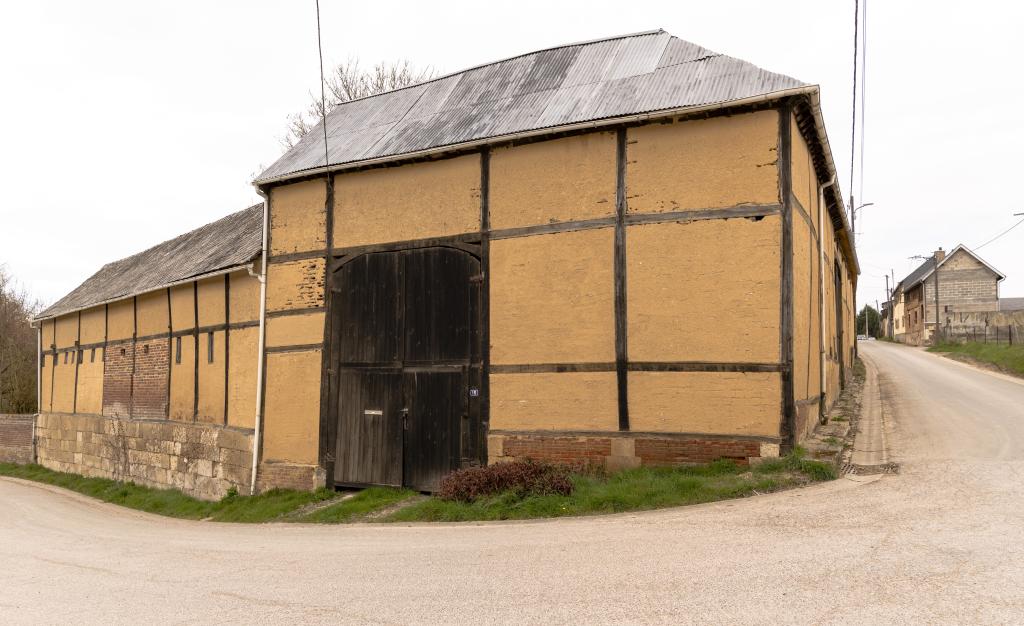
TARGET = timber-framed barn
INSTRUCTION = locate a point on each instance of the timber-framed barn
(622, 252)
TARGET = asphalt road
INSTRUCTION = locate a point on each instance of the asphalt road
(942, 542)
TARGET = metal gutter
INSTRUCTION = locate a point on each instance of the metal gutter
(183, 281)
(262, 277)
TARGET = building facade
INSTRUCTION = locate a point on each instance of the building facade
(577, 255)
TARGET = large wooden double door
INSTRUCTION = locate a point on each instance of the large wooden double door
(406, 352)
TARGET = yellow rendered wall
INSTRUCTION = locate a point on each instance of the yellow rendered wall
(805, 182)
(183, 379)
(704, 291)
(298, 217)
(64, 381)
(211, 377)
(211, 301)
(46, 382)
(90, 381)
(295, 330)
(560, 180)
(552, 298)
(67, 330)
(415, 201)
(703, 164)
(806, 328)
(554, 401)
(245, 297)
(120, 319)
(151, 309)
(705, 402)
(48, 328)
(243, 348)
(183, 311)
(292, 407)
(94, 325)
(295, 285)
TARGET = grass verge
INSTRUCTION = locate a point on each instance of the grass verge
(171, 502)
(630, 490)
(1009, 359)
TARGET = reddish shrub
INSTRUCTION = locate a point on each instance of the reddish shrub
(525, 478)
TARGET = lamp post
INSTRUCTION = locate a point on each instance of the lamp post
(935, 272)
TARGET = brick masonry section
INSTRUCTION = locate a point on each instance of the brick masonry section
(149, 385)
(16, 444)
(202, 460)
(623, 450)
(117, 379)
(289, 476)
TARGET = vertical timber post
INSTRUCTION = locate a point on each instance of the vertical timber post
(485, 301)
(788, 426)
(328, 373)
(621, 352)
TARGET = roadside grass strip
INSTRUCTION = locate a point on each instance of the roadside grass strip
(1009, 359)
(630, 490)
(593, 493)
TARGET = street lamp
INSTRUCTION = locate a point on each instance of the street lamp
(935, 271)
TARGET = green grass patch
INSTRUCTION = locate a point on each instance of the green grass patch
(358, 506)
(1008, 358)
(171, 502)
(630, 490)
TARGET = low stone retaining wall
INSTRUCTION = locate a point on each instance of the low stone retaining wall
(624, 450)
(202, 460)
(16, 438)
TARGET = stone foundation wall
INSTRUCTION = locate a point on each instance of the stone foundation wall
(624, 450)
(289, 476)
(202, 460)
(16, 443)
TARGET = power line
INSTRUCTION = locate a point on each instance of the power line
(999, 235)
(320, 50)
(863, 89)
(853, 127)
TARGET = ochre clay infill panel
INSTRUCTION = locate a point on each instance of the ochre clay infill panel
(560, 180)
(292, 409)
(717, 162)
(551, 298)
(705, 402)
(556, 401)
(415, 201)
(704, 291)
(298, 219)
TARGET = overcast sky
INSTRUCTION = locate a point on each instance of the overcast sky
(127, 123)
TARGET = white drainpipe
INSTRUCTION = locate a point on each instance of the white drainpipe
(821, 295)
(262, 277)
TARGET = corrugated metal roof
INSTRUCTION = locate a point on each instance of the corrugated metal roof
(577, 83)
(229, 242)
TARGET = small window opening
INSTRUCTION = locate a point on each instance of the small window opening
(66, 357)
(209, 347)
(177, 351)
(145, 349)
(79, 355)
(55, 360)
(43, 361)
(92, 355)
(122, 352)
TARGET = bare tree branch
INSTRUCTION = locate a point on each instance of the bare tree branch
(17, 347)
(347, 82)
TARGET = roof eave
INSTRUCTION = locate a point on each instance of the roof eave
(227, 270)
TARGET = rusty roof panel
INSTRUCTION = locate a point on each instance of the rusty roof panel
(621, 76)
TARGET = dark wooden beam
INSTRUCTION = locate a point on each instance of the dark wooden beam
(621, 351)
(788, 405)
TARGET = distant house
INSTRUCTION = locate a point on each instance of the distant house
(966, 285)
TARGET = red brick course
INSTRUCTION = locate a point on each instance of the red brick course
(697, 450)
(135, 379)
(117, 379)
(649, 449)
(558, 448)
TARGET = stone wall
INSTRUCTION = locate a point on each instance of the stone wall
(202, 460)
(16, 441)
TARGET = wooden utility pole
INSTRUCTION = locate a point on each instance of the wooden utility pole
(888, 296)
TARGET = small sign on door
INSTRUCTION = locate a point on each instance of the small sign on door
(473, 392)
(373, 412)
